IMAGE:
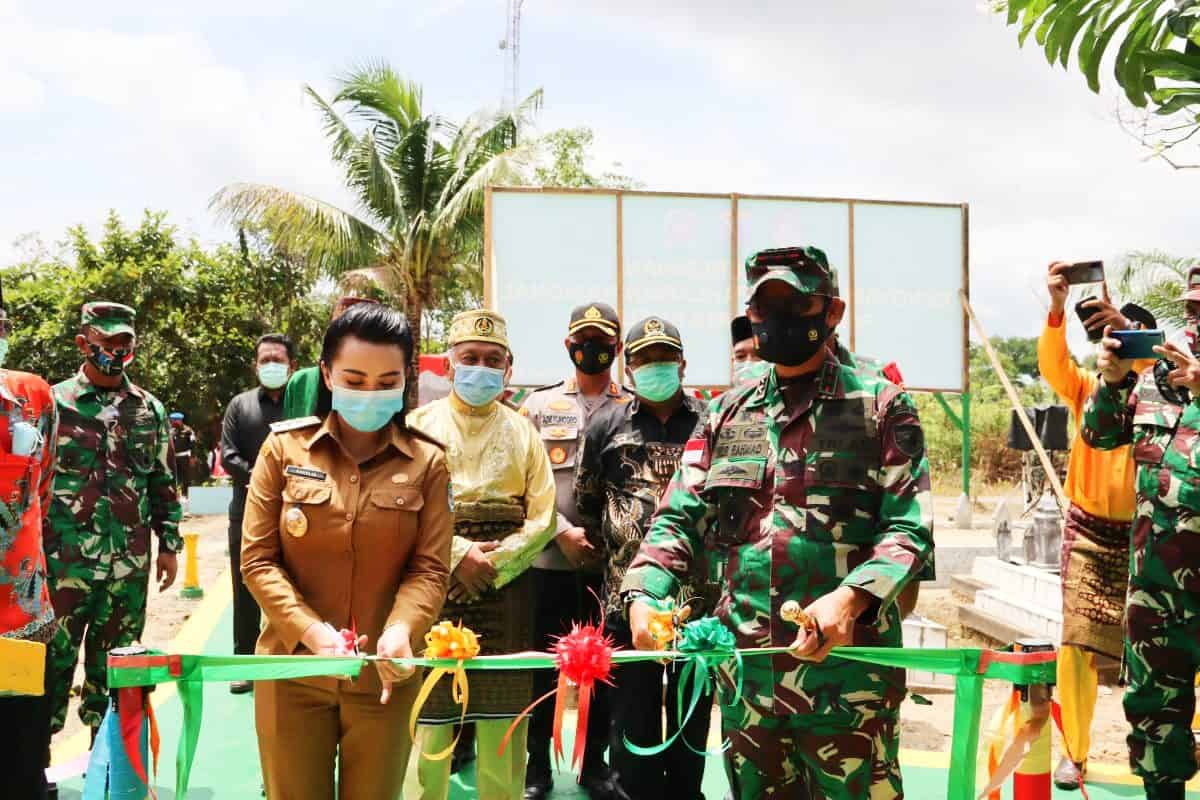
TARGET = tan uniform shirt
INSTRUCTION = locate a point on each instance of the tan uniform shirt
(561, 414)
(495, 456)
(356, 545)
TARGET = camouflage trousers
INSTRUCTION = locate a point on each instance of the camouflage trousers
(99, 615)
(795, 757)
(1162, 654)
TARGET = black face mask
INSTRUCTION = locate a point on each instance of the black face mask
(591, 357)
(791, 339)
(109, 362)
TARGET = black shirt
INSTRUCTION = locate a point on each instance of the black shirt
(627, 458)
(247, 423)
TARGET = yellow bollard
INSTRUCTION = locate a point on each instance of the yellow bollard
(191, 571)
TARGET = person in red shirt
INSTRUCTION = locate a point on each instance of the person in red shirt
(28, 432)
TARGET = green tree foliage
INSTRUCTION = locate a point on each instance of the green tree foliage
(417, 181)
(1020, 353)
(1155, 280)
(564, 163)
(199, 311)
(991, 413)
(1155, 46)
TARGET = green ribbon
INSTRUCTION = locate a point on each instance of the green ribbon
(705, 644)
(969, 666)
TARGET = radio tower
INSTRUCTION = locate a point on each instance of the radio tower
(512, 44)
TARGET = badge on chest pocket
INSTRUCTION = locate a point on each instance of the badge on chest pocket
(733, 484)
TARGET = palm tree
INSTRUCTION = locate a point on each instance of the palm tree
(417, 181)
(1155, 280)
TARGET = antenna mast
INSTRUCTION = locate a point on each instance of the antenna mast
(512, 44)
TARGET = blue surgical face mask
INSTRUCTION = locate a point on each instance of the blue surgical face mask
(3, 351)
(367, 411)
(477, 386)
(272, 375)
(657, 382)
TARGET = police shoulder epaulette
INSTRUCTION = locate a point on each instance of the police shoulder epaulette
(294, 424)
(420, 434)
(549, 386)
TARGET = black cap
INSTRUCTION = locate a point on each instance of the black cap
(741, 329)
(652, 330)
(1135, 313)
(595, 315)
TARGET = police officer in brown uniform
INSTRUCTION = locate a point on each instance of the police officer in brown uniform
(347, 526)
(568, 571)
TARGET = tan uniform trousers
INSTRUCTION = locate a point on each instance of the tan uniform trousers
(302, 728)
(496, 777)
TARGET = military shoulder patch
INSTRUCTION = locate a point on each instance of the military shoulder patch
(693, 451)
(294, 424)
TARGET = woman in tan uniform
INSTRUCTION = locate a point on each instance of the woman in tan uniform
(347, 526)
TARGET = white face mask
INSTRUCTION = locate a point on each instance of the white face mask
(273, 375)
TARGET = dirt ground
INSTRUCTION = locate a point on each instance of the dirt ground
(928, 727)
(167, 611)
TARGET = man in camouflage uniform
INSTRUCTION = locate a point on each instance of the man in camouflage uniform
(113, 485)
(809, 486)
(1162, 653)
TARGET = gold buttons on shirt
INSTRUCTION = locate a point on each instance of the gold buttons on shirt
(354, 479)
(399, 501)
(349, 516)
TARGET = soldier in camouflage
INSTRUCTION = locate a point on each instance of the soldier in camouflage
(113, 485)
(1158, 414)
(809, 485)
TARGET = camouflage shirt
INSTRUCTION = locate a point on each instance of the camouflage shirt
(1166, 451)
(627, 458)
(793, 490)
(113, 483)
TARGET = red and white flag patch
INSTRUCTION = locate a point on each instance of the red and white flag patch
(693, 451)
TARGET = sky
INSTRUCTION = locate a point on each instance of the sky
(133, 104)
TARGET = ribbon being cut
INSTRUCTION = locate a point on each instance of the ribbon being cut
(582, 656)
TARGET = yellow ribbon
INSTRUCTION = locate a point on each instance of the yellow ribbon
(446, 640)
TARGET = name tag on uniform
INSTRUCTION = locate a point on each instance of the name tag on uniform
(305, 472)
(741, 441)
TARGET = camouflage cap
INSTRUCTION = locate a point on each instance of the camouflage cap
(108, 318)
(481, 325)
(652, 330)
(1193, 285)
(805, 269)
(595, 315)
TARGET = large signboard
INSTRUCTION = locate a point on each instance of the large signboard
(900, 268)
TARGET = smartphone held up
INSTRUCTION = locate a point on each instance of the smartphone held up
(1084, 272)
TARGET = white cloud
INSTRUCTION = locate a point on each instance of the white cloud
(929, 102)
(183, 123)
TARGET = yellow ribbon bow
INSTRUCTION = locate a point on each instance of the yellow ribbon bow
(446, 640)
